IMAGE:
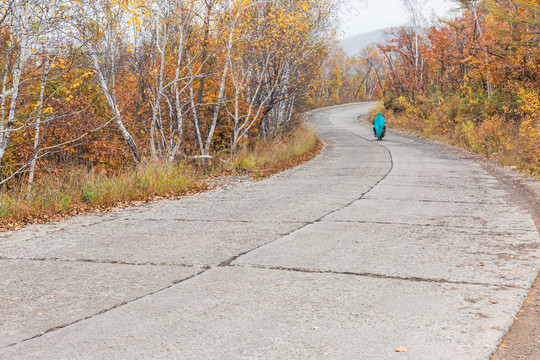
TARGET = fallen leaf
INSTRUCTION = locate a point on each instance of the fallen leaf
(401, 349)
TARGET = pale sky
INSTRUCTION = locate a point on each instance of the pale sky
(369, 15)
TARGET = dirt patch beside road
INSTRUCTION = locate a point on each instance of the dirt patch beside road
(523, 339)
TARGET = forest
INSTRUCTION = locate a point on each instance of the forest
(105, 82)
(471, 79)
(97, 88)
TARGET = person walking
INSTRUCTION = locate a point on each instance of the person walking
(379, 126)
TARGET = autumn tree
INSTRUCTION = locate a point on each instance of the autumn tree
(110, 83)
(99, 28)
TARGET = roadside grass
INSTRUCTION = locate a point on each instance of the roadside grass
(267, 158)
(76, 190)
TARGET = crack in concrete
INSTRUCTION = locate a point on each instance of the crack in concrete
(420, 185)
(434, 201)
(98, 261)
(477, 177)
(53, 329)
(377, 276)
(487, 229)
(227, 221)
(233, 258)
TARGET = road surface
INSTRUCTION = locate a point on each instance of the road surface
(369, 247)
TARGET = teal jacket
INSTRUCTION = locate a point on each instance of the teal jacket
(378, 124)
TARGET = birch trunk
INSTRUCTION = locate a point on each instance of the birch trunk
(194, 110)
(3, 105)
(16, 80)
(135, 154)
(179, 109)
(38, 124)
(206, 149)
(156, 108)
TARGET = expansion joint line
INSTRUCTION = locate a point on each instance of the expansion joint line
(97, 261)
(377, 276)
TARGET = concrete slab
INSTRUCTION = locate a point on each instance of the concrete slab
(37, 296)
(443, 214)
(418, 192)
(234, 313)
(275, 204)
(445, 182)
(456, 255)
(165, 242)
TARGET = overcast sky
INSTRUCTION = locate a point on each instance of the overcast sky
(369, 15)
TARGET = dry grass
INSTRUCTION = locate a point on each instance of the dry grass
(75, 190)
(265, 159)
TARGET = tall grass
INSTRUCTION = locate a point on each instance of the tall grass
(266, 158)
(76, 190)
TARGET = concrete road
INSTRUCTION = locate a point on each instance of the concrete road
(369, 247)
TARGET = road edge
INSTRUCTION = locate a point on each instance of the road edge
(522, 339)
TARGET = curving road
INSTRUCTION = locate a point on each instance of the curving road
(369, 247)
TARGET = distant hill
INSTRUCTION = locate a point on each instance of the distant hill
(353, 45)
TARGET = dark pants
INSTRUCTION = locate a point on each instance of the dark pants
(383, 132)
